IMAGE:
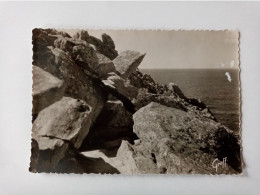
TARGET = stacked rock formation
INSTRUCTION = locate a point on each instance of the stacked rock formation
(87, 97)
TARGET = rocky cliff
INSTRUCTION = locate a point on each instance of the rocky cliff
(95, 112)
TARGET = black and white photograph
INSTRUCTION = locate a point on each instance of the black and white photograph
(136, 102)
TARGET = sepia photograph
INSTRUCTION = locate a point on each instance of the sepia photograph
(136, 102)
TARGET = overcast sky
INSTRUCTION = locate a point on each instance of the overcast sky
(178, 49)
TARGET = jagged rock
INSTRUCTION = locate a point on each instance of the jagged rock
(47, 89)
(180, 143)
(140, 80)
(81, 35)
(127, 62)
(120, 89)
(85, 56)
(113, 124)
(68, 119)
(108, 40)
(66, 44)
(175, 88)
(106, 48)
(144, 98)
(105, 65)
(102, 48)
(77, 83)
(121, 86)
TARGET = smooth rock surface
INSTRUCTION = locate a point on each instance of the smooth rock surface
(47, 89)
(68, 119)
(127, 62)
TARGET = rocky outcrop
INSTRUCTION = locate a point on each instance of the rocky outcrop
(108, 40)
(106, 47)
(47, 89)
(95, 112)
(127, 62)
(176, 142)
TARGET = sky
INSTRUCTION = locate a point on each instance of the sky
(178, 49)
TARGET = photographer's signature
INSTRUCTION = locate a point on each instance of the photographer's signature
(217, 163)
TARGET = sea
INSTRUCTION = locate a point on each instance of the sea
(212, 86)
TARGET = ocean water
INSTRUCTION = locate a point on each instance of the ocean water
(209, 85)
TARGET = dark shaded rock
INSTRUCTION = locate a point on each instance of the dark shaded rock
(144, 98)
(181, 143)
(77, 83)
(103, 48)
(140, 80)
(47, 89)
(66, 44)
(108, 40)
(85, 56)
(127, 62)
(175, 88)
(113, 125)
(81, 35)
(106, 47)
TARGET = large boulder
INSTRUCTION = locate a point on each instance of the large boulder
(58, 129)
(68, 120)
(127, 62)
(47, 89)
(180, 143)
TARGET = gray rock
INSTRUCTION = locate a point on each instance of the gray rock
(120, 86)
(105, 65)
(181, 143)
(108, 40)
(127, 62)
(68, 120)
(47, 153)
(47, 89)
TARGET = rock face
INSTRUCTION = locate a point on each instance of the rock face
(47, 89)
(94, 112)
(127, 62)
(176, 142)
(105, 65)
(62, 124)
